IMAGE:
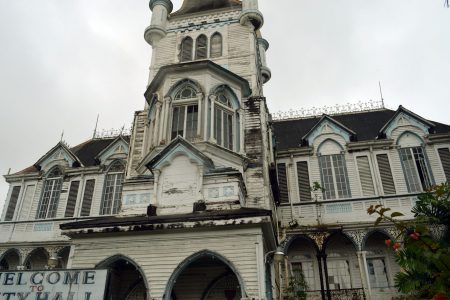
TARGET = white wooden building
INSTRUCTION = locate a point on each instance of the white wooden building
(198, 199)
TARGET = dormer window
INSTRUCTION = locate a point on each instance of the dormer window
(112, 190)
(185, 113)
(50, 197)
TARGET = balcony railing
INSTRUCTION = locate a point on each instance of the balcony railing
(343, 211)
(342, 294)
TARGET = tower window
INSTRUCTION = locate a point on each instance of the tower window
(112, 192)
(186, 49)
(223, 121)
(201, 47)
(216, 45)
(185, 113)
(50, 197)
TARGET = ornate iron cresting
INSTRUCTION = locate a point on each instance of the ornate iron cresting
(328, 110)
(111, 133)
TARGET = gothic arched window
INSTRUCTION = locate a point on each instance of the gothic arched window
(112, 189)
(216, 45)
(185, 113)
(226, 119)
(186, 49)
(50, 197)
(201, 47)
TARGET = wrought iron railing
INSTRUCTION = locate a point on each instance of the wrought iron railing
(342, 294)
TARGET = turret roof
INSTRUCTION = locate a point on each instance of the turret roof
(194, 6)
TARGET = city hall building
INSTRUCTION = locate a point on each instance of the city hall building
(212, 197)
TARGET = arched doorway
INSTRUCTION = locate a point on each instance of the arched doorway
(10, 260)
(63, 257)
(206, 276)
(37, 259)
(126, 280)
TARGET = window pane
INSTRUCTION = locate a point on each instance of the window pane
(216, 45)
(409, 168)
(191, 122)
(178, 121)
(340, 171)
(12, 203)
(339, 275)
(422, 169)
(50, 197)
(218, 126)
(112, 196)
(201, 47)
(327, 177)
(186, 92)
(377, 272)
(186, 49)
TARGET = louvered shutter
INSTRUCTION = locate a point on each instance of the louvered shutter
(216, 45)
(12, 203)
(87, 198)
(282, 183)
(444, 154)
(303, 181)
(201, 51)
(186, 49)
(386, 174)
(72, 199)
(365, 176)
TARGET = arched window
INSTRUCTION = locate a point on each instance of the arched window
(112, 189)
(333, 171)
(185, 113)
(50, 197)
(226, 119)
(216, 45)
(186, 49)
(201, 47)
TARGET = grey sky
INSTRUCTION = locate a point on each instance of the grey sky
(62, 62)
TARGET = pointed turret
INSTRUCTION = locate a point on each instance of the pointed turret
(157, 29)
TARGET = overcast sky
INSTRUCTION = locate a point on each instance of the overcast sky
(64, 61)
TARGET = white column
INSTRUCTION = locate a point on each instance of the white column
(199, 114)
(364, 272)
(213, 103)
(155, 187)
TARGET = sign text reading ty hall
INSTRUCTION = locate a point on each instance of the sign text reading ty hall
(53, 285)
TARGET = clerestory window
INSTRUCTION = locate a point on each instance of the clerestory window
(185, 113)
(112, 189)
(50, 197)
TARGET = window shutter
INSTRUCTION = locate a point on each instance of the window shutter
(87, 198)
(201, 47)
(72, 199)
(282, 183)
(186, 49)
(216, 45)
(12, 203)
(303, 181)
(444, 154)
(386, 174)
(365, 176)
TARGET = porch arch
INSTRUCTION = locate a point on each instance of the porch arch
(184, 265)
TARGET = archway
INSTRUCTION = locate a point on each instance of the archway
(10, 260)
(37, 259)
(206, 276)
(126, 280)
(63, 256)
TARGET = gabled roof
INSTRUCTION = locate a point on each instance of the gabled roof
(85, 153)
(194, 66)
(366, 125)
(119, 139)
(196, 6)
(328, 118)
(400, 110)
(62, 146)
(180, 144)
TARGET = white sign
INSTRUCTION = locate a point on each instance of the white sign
(53, 285)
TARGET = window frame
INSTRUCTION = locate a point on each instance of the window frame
(211, 52)
(48, 203)
(420, 183)
(185, 103)
(191, 50)
(205, 47)
(335, 193)
(116, 201)
(232, 110)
